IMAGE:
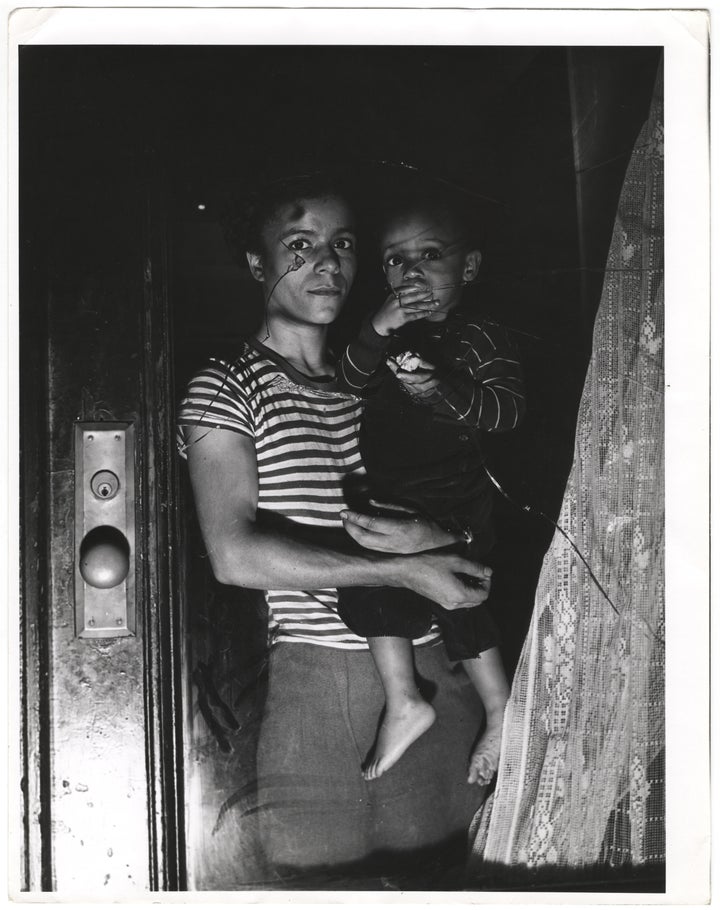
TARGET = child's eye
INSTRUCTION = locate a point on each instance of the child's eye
(393, 262)
(431, 254)
(299, 244)
(345, 243)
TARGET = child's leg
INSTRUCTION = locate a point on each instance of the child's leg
(488, 676)
(407, 714)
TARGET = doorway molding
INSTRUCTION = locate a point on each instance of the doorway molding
(156, 672)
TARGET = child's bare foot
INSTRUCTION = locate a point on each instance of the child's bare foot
(485, 759)
(398, 731)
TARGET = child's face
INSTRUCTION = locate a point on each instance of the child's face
(427, 250)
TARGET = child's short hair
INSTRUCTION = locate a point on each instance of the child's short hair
(415, 193)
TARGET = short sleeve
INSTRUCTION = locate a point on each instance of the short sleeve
(217, 399)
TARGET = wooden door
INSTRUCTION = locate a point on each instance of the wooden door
(101, 743)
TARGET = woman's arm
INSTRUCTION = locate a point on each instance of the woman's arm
(223, 472)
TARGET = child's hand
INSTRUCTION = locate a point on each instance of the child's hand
(417, 383)
(407, 304)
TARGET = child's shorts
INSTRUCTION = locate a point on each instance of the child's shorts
(382, 612)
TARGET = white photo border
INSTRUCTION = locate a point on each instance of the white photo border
(684, 35)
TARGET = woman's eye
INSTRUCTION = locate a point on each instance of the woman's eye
(299, 244)
(344, 244)
(392, 262)
(431, 254)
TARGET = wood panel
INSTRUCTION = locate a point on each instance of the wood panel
(101, 745)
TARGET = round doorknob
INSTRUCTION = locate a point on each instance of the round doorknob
(104, 557)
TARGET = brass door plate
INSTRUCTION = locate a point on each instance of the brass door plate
(104, 498)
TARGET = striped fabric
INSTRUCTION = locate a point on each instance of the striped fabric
(306, 440)
(486, 390)
(480, 382)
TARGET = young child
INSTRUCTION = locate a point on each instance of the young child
(434, 379)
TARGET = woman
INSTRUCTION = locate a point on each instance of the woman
(272, 449)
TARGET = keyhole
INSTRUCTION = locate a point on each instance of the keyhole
(105, 484)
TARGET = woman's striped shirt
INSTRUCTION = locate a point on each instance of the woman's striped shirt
(306, 441)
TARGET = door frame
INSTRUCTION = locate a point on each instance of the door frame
(164, 638)
(161, 622)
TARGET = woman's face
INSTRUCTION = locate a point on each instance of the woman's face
(308, 261)
(427, 250)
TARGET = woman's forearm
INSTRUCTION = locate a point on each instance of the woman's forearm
(255, 557)
(247, 551)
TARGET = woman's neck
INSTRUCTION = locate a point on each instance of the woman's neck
(301, 345)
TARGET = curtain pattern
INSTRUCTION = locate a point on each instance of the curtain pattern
(581, 779)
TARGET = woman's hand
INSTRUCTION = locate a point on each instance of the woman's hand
(447, 579)
(406, 533)
(450, 580)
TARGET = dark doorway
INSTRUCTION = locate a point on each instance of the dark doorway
(516, 150)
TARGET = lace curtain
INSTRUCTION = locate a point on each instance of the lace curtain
(581, 780)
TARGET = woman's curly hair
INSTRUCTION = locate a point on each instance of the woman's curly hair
(246, 218)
